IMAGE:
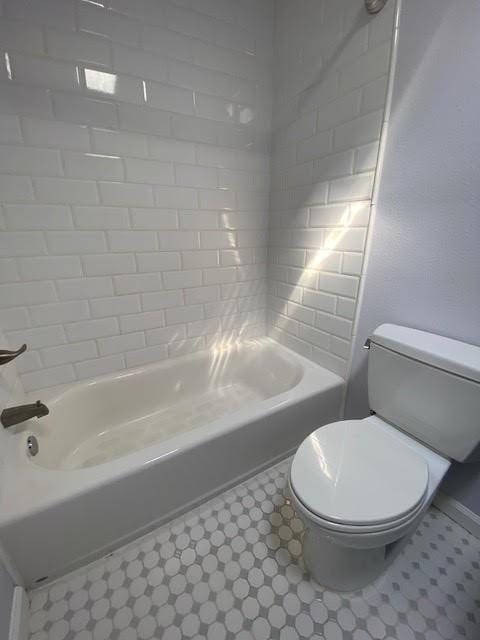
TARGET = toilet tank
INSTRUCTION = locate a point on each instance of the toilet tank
(428, 386)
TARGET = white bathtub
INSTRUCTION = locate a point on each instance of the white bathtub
(120, 454)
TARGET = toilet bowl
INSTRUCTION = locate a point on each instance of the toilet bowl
(360, 487)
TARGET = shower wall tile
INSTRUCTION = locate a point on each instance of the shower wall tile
(331, 66)
(134, 179)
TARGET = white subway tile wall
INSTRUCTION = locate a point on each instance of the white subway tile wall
(134, 179)
(330, 69)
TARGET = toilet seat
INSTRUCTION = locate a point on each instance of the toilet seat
(356, 531)
(355, 476)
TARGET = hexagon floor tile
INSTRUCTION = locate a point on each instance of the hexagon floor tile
(233, 568)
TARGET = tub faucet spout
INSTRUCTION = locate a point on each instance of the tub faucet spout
(15, 415)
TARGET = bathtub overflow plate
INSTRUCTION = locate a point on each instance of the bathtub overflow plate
(32, 445)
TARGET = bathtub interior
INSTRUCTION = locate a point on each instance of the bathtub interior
(94, 422)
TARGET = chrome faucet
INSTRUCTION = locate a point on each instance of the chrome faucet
(15, 415)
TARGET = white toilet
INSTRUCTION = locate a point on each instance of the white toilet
(362, 486)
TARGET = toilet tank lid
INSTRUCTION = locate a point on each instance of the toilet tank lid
(456, 357)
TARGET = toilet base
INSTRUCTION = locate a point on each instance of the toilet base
(345, 561)
(343, 568)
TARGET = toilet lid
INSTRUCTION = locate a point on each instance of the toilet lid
(355, 472)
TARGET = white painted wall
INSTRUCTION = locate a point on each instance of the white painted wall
(134, 179)
(424, 266)
(331, 66)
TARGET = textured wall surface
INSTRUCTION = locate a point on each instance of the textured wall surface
(331, 67)
(134, 179)
(424, 266)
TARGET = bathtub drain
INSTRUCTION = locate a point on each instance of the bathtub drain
(32, 445)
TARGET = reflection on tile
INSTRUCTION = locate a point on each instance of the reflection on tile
(101, 81)
(233, 568)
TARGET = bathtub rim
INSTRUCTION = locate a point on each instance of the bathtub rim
(59, 395)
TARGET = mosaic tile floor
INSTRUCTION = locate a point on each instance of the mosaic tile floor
(232, 568)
